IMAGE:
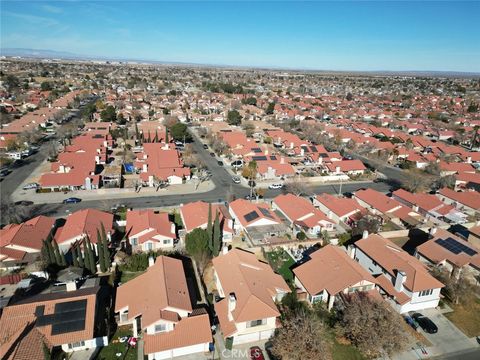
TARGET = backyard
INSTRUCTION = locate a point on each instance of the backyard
(281, 263)
(116, 347)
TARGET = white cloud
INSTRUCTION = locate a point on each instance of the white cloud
(51, 9)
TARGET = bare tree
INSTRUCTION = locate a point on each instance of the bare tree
(296, 187)
(371, 325)
(415, 181)
(302, 337)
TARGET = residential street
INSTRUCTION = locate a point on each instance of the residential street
(224, 188)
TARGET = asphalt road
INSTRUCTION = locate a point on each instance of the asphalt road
(464, 355)
(21, 172)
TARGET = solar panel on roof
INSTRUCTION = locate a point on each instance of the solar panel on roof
(251, 216)
(273, 157)
(67, 317)
(68, 326)
(304, 148)
(455, 247)
(313, 149)
(256, 150)
(266, 213)
(259, 158)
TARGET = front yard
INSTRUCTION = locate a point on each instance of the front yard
(466, 317)
(117, 349)
(281, 263)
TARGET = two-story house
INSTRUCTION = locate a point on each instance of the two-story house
(150, 230)
(249, 289)
(402, 278)
(158, 304)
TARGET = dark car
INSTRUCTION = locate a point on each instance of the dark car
(212, 154)
(410, 321)
(72, 200)
(256, 353)
(425, 323)
(205, 146)
(24, 203)
(220, 163)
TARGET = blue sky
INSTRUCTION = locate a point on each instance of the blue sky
(340, 35)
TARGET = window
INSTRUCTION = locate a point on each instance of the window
(76, 344)
(166, 241)
(256, 323)
(149, 246)
(160, 328)
(133, 241)
(426, 292)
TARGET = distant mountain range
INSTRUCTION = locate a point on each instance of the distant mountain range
(53, 54)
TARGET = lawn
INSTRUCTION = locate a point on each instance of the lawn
(129, 275)
(345, 352)
(116, 347)
(281, 263)
(466, 317)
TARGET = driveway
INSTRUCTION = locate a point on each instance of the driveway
(449, 338)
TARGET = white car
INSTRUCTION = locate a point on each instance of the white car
(275, 186)
(236, 180)
(30, 186)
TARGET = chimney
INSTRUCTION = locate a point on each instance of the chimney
(71, 285)
(337, 169)
(469, 159)
(232, 303)
(151, 261)
(282, 160)
(365, 234)
(433, 231)
(224, 249)
(400, 280)
(351, 251)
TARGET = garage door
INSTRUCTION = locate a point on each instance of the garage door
(246, 338)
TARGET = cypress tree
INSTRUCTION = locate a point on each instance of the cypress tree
(47, 254)
(106, 251)
(86, 256)
(217, 236)
(101, 258)
(74, 255)
(81, 263)
(209, 228)
(91, 257)
(166, 136)
(59, 257)
(155, 139)
(137, 133)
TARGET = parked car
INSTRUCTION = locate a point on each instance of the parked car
(220, 163)
(236, 180)
(205, 146)
(71, 200)
(212, 154)
(30, 186)
(425, 323)
(256, 353)
(410, 321)
(24, 203)
(275, 186)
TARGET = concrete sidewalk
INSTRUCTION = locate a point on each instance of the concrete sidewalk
(108, 194)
